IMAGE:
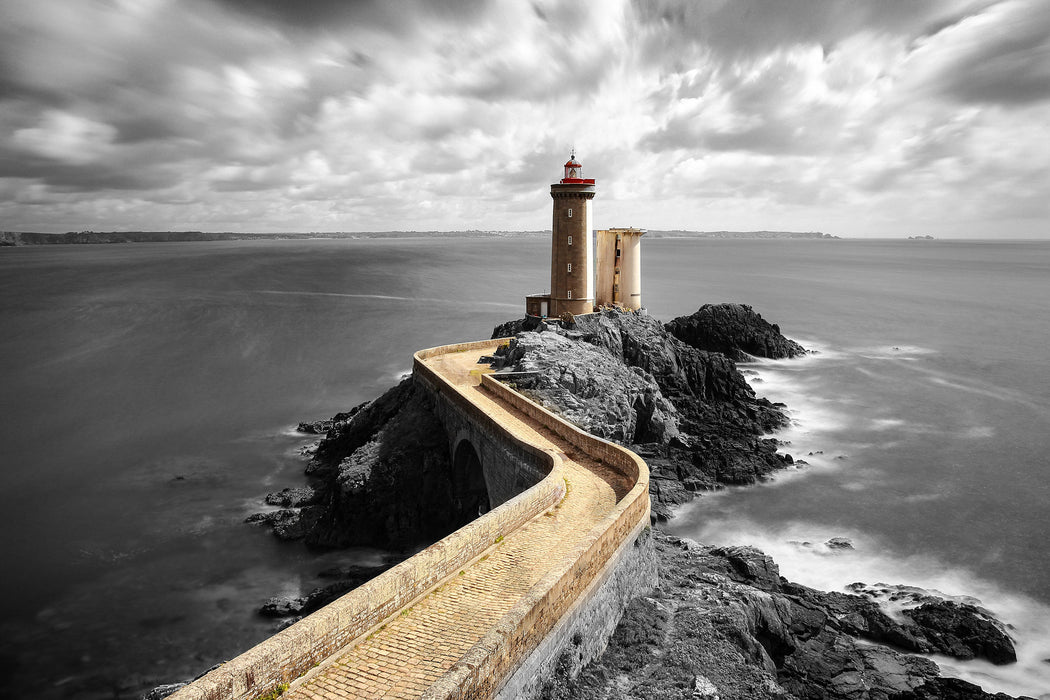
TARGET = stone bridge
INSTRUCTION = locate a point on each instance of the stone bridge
(543, 574)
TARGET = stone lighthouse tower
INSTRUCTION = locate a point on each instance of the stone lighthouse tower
(572, 288)
(572, 259)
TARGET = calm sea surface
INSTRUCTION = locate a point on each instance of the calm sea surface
(149, 392)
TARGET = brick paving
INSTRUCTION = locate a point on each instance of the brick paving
(407, 655)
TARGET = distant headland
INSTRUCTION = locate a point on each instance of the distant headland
(23, 238)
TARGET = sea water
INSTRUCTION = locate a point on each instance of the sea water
(923, 419)
(150, 391)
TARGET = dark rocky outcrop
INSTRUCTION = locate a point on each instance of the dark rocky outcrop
(962, 631)
(294, 497)
(298, 514)
(385, 471)
(289, 523)
(735, 330)
(936, 625)
(688, 412)
(346, 580)
(950, 689)
(724, 623)
(706, 631)
(380, 477)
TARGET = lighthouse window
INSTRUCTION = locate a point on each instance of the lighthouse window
(570, 240)
(570, 213)
(568, 268)
(568, 294)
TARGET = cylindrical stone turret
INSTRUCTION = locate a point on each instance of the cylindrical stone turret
(620, 268)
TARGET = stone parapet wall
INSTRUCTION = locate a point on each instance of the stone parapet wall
(583, 631)
(511, 465)
(484, 670)
(630, 466)
(292, 652)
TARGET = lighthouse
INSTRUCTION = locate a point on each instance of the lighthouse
(573, 290)
(572, 245)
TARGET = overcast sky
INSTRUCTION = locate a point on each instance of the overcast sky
(889, 117)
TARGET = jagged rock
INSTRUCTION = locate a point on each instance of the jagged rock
(748, 565)
(962, 631)
(592, 389)
(734, 330)
(688, 412)
(705, 689)
(839, 543)
(951, 689)
(385, 475)
(289, 523)
(512, 328)
(293, 497)
(857, 616)
(304, 605)
(348, 578)
(707, 620)
(163, 691)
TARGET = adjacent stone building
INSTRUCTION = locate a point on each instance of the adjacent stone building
(620, 268)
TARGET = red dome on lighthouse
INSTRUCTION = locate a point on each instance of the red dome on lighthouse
(574, 171)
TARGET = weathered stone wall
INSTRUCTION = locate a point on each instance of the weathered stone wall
(510, 466)
(583, 631)
(574, 581)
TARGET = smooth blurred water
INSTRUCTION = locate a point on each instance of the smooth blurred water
(148, 393)
(926, 410)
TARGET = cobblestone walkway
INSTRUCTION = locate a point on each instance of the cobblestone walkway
(404, 658)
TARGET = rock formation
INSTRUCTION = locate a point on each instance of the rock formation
(381, 478)
(724, 624)
(685, 409)
(736, 331)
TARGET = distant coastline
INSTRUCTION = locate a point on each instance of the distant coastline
(23, 238)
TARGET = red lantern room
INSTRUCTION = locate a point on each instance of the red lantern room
(574, 171)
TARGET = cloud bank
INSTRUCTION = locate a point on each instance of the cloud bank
(882, 118)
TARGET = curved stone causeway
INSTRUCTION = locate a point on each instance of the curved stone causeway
(486, 609)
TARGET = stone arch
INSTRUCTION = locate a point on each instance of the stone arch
(469, 487)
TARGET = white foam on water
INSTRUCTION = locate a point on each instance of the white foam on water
(813, 418)
(395, 374)
(816, 425)
(818, 350)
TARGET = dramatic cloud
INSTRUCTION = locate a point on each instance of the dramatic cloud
(872, 118)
